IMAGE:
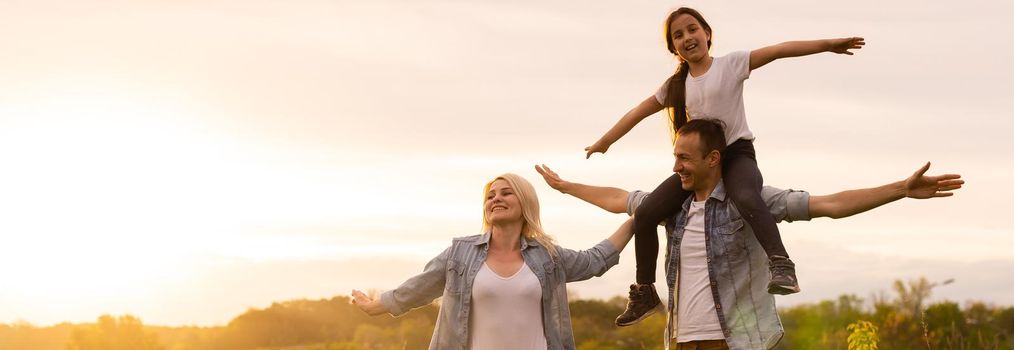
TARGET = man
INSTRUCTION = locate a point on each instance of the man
(716, 270)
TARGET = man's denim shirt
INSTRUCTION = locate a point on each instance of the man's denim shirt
(737, 265)
(452, 272)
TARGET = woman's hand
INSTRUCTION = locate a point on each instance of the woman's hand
(369, 306)
(843, 45)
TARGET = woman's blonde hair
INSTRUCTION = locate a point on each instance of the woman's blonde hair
(532, 227)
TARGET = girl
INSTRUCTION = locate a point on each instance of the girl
(709, 87)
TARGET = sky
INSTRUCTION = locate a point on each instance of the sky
(185, 161)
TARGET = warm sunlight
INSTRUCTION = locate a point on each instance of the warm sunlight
(237, 165)
(93, 179)
(111, 193)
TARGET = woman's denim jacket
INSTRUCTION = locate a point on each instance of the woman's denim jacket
(451, 273)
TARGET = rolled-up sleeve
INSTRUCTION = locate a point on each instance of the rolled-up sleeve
(634, 200)
(787, 205)
(585, 264)
(419, 290)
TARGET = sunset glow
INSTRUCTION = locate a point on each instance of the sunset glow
(183, 162)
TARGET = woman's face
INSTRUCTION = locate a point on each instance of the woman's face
(689, 38)
(502, 204)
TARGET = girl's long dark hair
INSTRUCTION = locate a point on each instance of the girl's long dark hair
(676, 100)
(676, 97)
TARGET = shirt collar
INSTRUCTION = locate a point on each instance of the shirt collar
(719, 191)
(525, 242)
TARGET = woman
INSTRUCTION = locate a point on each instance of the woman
(505, 288)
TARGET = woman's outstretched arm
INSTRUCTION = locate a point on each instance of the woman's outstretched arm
(622, 236)
(369, 306)
(417, 291)
(585, 264)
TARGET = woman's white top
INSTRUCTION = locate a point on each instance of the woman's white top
(507, 311)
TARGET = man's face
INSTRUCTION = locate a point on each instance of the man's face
(693, 166)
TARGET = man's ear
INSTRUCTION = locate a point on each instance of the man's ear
(714, 158)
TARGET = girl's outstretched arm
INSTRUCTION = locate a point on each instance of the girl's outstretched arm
(762, 56)
(647, 107)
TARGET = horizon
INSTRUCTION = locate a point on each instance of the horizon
(866, 305)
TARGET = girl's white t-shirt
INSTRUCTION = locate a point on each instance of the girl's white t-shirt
(507, 311)
(718, 94)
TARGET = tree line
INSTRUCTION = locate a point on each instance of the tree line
(900, 321)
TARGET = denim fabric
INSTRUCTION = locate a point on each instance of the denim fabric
(451, 274)
(737, 265)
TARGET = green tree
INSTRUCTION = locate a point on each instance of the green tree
(945, 325)
(911, 297)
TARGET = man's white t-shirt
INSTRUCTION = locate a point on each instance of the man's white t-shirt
(718, 94)
(697, 317)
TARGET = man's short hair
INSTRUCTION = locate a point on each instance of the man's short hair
(710, 131)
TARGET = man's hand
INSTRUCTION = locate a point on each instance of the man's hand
(552, 179)
(612, 199)
(369, 306)
(852, 202)
(920, 186)
(843, 45)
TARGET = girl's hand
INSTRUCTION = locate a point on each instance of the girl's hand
(596, 148)
(369, 306)
(843, 45)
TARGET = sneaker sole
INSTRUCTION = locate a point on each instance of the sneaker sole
(782, 290)
(652, 311)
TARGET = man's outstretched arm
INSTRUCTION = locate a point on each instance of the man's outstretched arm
(838, 205)
(919, 186)
(611, 199)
